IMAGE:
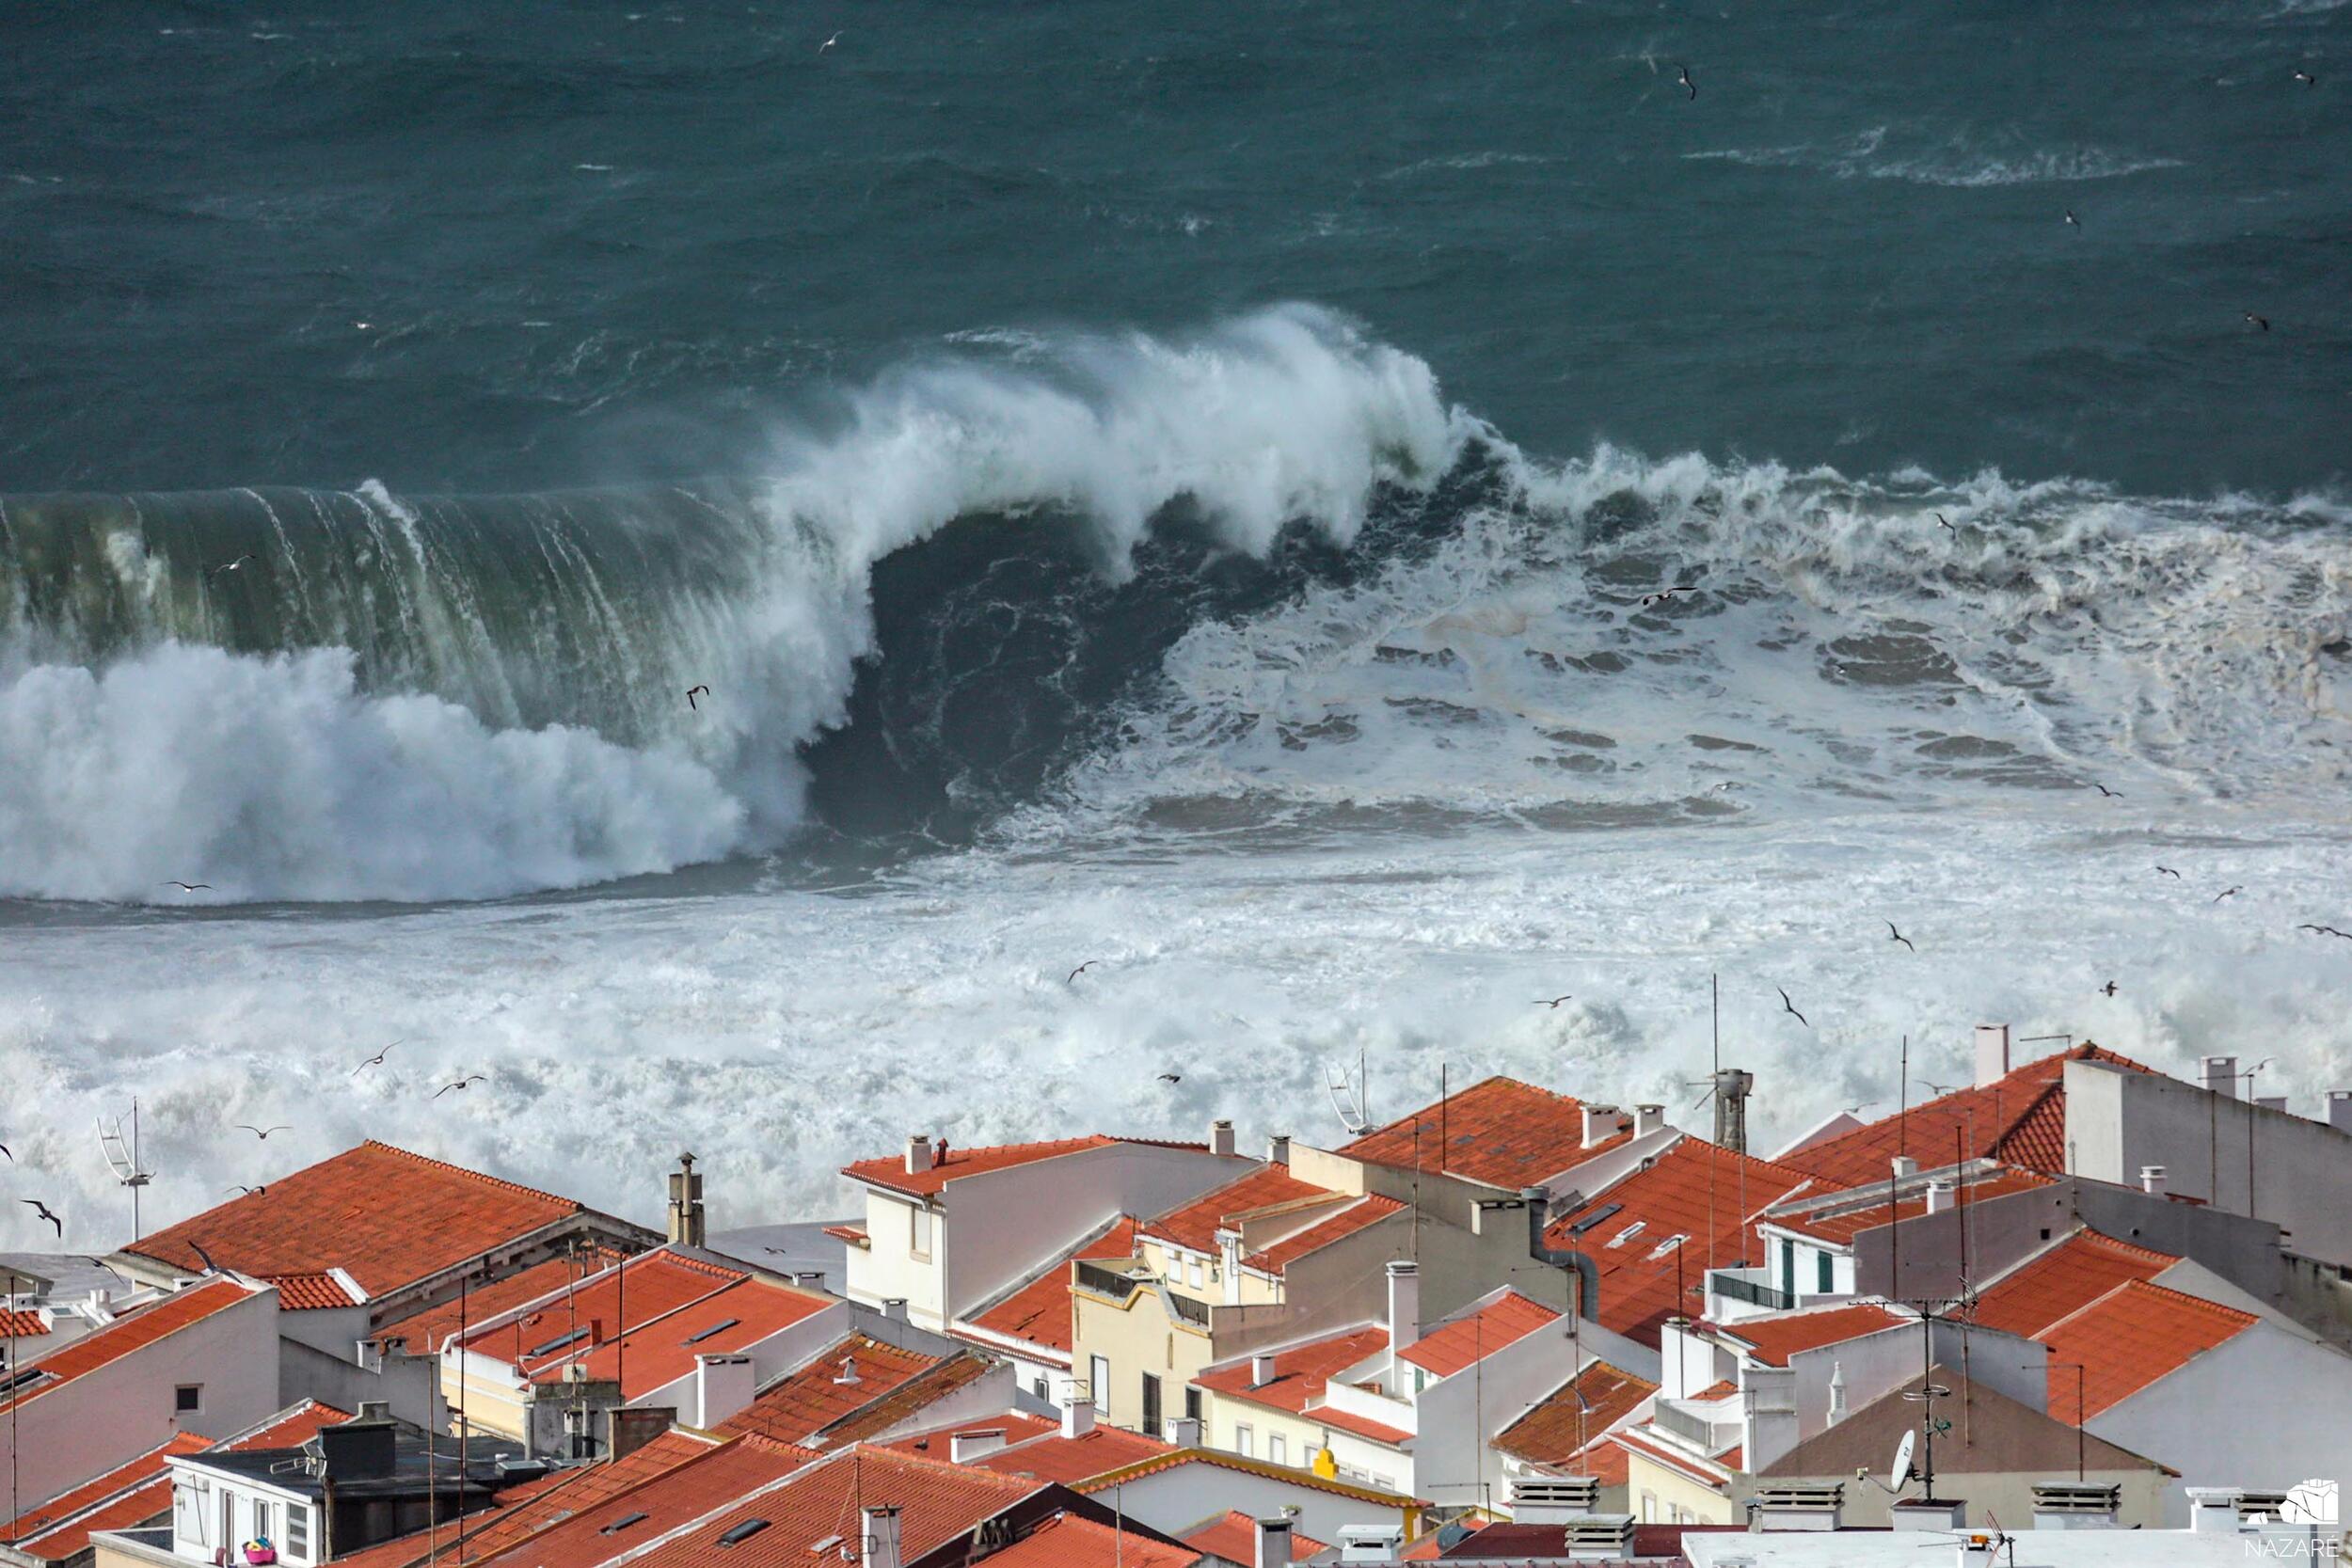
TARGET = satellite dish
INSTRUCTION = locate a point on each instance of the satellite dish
(1898, 1473)
(1451, 1536)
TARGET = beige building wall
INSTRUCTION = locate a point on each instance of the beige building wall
(1657, 1496)
(1136, 1336)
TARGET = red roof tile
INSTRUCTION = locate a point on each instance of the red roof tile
(2062, 1279)
(22, 1324)
(290, 1428)
(520, 1512)
(1604, 1461)
(1507, 1320)
(1233, 1536)
(2018, 1120)
(1676, 1460)
(427, 1331)
(853, 1234)
(309, 1292)
(1367, 1210)
(386, 1216)
(799, 1407)
(2129, 1337)
(1039, 1312)
(938, 1442)
(1855, 1210)
(1216, 1459)
(1776, 1338)
(937, 1502)
(1573, 1415)
(1070, 1459)
(892, 1172)
(909, 1400)
(1696, 1190)
(1500, 1132)
(1065, 1541)
(132, 1332)
(658, 1353)
(1301, 1371)
(138, 1474)
(1194, 1224)
(671, 1500)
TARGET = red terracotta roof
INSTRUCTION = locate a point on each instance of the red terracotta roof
(1233, 1536)
(132, 1332)
(1070, 1459)
(893, 1174)
(290, 1428)
(800, 1405)
(2129, 1337)
(2018, 1120)
(937, 1503)
(1194, 1224)
(938, 1442)
(1776, 1338)
(2062, 1279)
(1039, 1312)
(1696, 1190)
(1510, 1318)
(1500, 1132)
(386, 1216)
(1299, 1370)
(22, 1324)
(1604, 1461)
(1676, 1460)
(311, 1292)
(1216, 1459)
(1065, 1541)
(1576, 1413)
(1367, 1210)
(1363, 1426)
(853, 1234)
(1864, 1210)
(427, 1331)
(521, 1512)
(139, 1474)
(658, 1353)
(909, 1400)
(670, 1501)
(1720, 1388)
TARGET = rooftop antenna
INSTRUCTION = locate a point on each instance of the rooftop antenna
(1352, 1102)
(123, 1156)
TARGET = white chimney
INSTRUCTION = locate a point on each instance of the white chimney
(2340, 1110)
(1277, 1149)
(1600, 1124)
(723, 1385)
(2213, 1510)
(879, 1546)
(918, 1153)
(1905, 1167)
(1184, 1431)
(894, 1308)
(2152, 1180)
(1077, 1417)
(965, 1446)
(1939, 1196)
(1837, 1393)
(2271, 1101)
(1403, 1305)
(1648, 1120)
(1992, 1053)
(2221, 1076)
(1274, 1543)
(1262, 1368)
(1229, 1254)
(2075, 1505)
(1221, 1137)
(1370, 1543)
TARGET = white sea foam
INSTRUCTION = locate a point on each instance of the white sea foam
(1959, 161)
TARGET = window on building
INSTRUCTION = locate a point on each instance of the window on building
(1649, 1508)
(1278, 1448)
(919, 1231)
(1193, 1273)
(297, 1531)
(1037, 1387)
(1192, 1403)
(1099, 1385)
(1828, 1274)
(260, 1518)
(1242, 1437)
(1787, 1265)
(188, 1398)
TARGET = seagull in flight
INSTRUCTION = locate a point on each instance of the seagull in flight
(1663, 594)
(2169, 872)
(462, 1083)
(249, 1192)
(2107, 990)
(2307, 78)
(42, 1208)
(1790, 1008)
(2110, 794)
(1080, 970)
(2227, 893)
(263, 1133)
(1684, 76)
(4, 1149)
(2071, 221)
(1894, 935)
(1171, 1077)
(1941, 1088)
(1946, 522)
(689, 696)
(1553, 1002)
(377, 1060)
(191, 887)
(829, 43)
(2253, 319)
(2323, 930)
(212, 572)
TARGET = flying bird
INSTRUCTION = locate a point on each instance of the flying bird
(2169, 872)
(829, 43)
(1941, 1088)
(42, 1208)
(2110, 794)
(462, 1083)
(198, 1247)
(2071, 221)
(1688, 85)
(689, 696)
(4, 1149)
(1941, 519)
(1666, 593)
(191, 887)
(241, 1187)
(1897, 936)
(2227, 893)
(2261, 321)
(1171, 1077)
(1553, 1002)
(2107, 990)
(2323, 930)
(2307, 78)
(1080, 970)
(1790, 1008)
(263, 1133)
(212, 572)
(377, 1060)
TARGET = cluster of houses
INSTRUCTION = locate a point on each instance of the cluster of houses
(2077, 1296)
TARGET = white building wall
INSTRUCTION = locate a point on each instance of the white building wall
(2266, 1409)
(887, 1268)
(1458, 1416)
(1876, 1364)
(113, 1413)
(1184, 1494)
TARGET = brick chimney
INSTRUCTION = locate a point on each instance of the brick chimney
(918, 1153)
(1992, 1053)
(686, 1204)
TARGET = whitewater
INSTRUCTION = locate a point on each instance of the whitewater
(1327, 722)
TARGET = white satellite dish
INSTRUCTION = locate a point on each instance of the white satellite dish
(1899, 1474)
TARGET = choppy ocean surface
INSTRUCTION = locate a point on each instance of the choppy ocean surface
(1187, 490)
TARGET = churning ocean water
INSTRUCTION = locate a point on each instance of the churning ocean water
(1176, 487)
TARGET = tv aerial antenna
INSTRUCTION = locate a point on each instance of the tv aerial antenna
(123, 1155)
(1353, 1103)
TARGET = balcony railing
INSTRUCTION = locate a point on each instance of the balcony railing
(1187, 1308)
(1729, 1283)
(1685, 1424)
(1108, 1282)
